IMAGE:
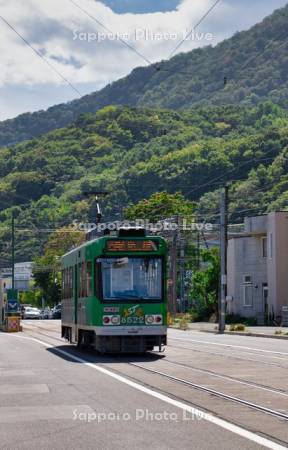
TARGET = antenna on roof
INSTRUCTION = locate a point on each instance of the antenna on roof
(97, 194)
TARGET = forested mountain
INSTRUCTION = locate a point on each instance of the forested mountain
(255, 63)
(134, 152)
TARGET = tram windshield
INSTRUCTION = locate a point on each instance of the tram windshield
(131, 278)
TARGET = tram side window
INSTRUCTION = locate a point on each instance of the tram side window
(97, 282)
(63, 284)
(80, 285)
(89, 279)
(85, 279)
(70, 282)
(67, 283)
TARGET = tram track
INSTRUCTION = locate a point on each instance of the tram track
(214, 392)
(223, 355)
(229, 378)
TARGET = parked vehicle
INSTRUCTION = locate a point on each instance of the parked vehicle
(45, 314)
(23, 307)
(56, 311)
(31, 313)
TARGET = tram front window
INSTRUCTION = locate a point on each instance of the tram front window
(131, 279)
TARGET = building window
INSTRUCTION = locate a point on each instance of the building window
(248, 295)
(264, 247)
(270, 245)
(247, 279)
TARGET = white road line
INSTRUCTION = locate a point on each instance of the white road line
(229, 345)
(178, 404)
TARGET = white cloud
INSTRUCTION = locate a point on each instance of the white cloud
(49, 26)
(96, 60)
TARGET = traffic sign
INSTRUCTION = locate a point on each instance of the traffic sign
(12, 305)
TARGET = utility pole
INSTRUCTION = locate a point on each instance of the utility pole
(173, 270)
(198, 251)
(182, 275)
(13, 251)
(223, 251)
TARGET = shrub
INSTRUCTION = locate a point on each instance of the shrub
(183, 323)
(237, 327)
(236, 319)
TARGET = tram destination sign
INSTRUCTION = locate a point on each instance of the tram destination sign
(131, 246)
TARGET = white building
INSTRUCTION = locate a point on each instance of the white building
(23, 277)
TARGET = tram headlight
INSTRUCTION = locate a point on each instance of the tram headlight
(154, 319)
(106, 320)
(115, 320)
(149, 320)
(111, 320)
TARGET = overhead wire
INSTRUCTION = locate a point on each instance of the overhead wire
(102, 25)
(187, 36)
(63, 78)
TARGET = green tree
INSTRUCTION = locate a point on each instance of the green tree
(47, 268)
(159, 206)
(205, 285)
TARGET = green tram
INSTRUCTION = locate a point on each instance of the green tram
(114, 294)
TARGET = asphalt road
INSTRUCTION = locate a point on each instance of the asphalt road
(53, 396)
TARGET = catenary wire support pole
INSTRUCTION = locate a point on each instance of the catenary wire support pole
(182, 274)
(13, 251)
(173, 276)
(223, 252)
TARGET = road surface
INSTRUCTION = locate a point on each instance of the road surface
(204, 392)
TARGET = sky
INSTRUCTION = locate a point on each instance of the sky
(81, 40)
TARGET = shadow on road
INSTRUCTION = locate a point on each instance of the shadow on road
(93, 357)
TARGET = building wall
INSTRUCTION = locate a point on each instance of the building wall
(245, 257)
(255, 224)
(277, 261)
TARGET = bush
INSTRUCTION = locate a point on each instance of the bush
(236, 319)
(237, 327)
(183, 323)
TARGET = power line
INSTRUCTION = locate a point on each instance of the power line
(110, 31)
(238, 70)
(228, 172)
(194, 28)
(41, 56)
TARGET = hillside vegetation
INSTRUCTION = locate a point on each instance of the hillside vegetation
(255, 63)
(132, 153)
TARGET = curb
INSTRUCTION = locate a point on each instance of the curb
(235, 333)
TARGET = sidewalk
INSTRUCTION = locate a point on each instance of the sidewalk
(250, 331)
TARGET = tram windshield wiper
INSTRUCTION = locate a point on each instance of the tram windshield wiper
(130, 296)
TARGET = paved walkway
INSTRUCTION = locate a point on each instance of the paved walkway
(206, 326)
